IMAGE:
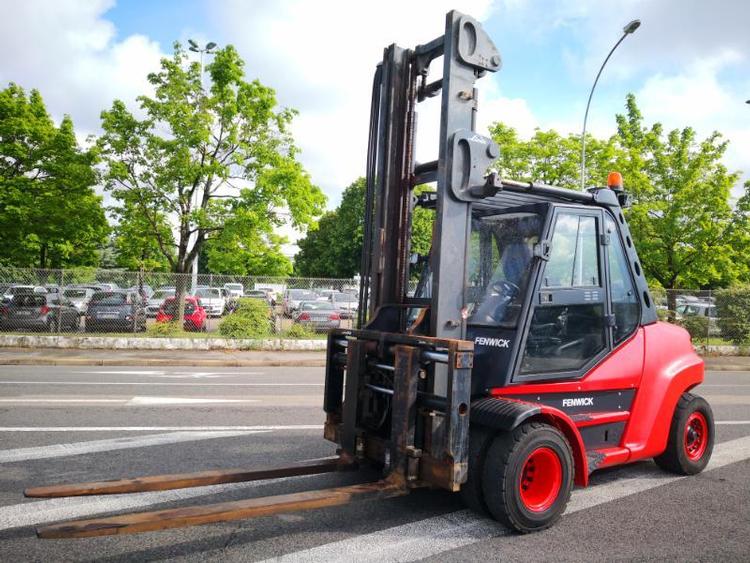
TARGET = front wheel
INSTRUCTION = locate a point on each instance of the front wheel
(691, 437)
(528, 476)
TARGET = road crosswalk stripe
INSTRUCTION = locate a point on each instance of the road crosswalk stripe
(435, 535)
(95, 446)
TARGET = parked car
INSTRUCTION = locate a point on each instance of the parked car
(236, 289)
(317, 315)
(230, 305)
(154, 303)
(324, 294)
(213, 300)
(272, 296)
(52, 288)
(293, 298)
(258, 294)
(145, 290)
(115, 310)
(194, 317)
(701, 309)
(37, 311)
(107, 286)
(346, 304)
(79, 297)
(19, 289)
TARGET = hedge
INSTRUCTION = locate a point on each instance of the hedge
(733, 307)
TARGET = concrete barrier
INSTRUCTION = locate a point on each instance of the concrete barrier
(144, 343)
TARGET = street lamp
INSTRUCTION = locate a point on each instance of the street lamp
(208, 49)
(627, 30)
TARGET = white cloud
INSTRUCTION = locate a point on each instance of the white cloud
(697, 96)
(320, 56)
(68, 51)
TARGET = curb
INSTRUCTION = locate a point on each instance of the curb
(169, 344)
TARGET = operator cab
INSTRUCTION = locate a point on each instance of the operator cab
(552, 286)
(549, 291)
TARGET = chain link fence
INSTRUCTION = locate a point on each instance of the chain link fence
(89, 300)
(712, 317)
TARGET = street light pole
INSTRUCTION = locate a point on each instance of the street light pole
(627, 30)
(208, 50)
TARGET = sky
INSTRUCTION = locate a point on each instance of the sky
(688, 63)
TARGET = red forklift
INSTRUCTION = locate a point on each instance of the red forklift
(518, 356)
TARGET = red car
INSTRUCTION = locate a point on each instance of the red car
(194, 318)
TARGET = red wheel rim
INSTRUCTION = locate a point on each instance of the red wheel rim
(696, 436)
(541, 480)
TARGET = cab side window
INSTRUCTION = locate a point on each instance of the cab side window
(573, 260)
(625, 304)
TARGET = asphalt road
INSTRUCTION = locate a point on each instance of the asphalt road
(70, 424)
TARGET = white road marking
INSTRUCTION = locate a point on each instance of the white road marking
(134, 402)
(158, 428)
(21, 400)
(431, 536)
(150, 401)
(172, 374)
(731, 422)
(162, 372)
(175, 384)
(52, 510)
(123, 372)
(95, 446)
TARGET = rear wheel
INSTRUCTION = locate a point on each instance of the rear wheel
(691, 437)
(528, 476)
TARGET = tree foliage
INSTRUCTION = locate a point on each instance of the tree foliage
(683, 225)
(550, 158)
(202, 165)
(50, 215)
(334, 248)
(681, 219)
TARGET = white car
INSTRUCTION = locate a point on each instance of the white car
(235, 289)
(346, 304)
(153, 304)
(79, 297)
(22, 289)
(212, 300)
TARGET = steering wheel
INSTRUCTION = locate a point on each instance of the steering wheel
(504, 287)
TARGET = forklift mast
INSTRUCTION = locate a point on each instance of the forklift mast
(401, 82)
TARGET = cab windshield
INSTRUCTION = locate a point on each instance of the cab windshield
(501, 251)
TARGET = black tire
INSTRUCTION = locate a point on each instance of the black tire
(480, 439)
(688, 453)
(509, 464)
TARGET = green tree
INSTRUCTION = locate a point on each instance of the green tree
(134, 243)
(205, 160)
(683, 225)
(550, 158)
(50, 215)
(681, 219)
(334, 248)
(242, 249)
